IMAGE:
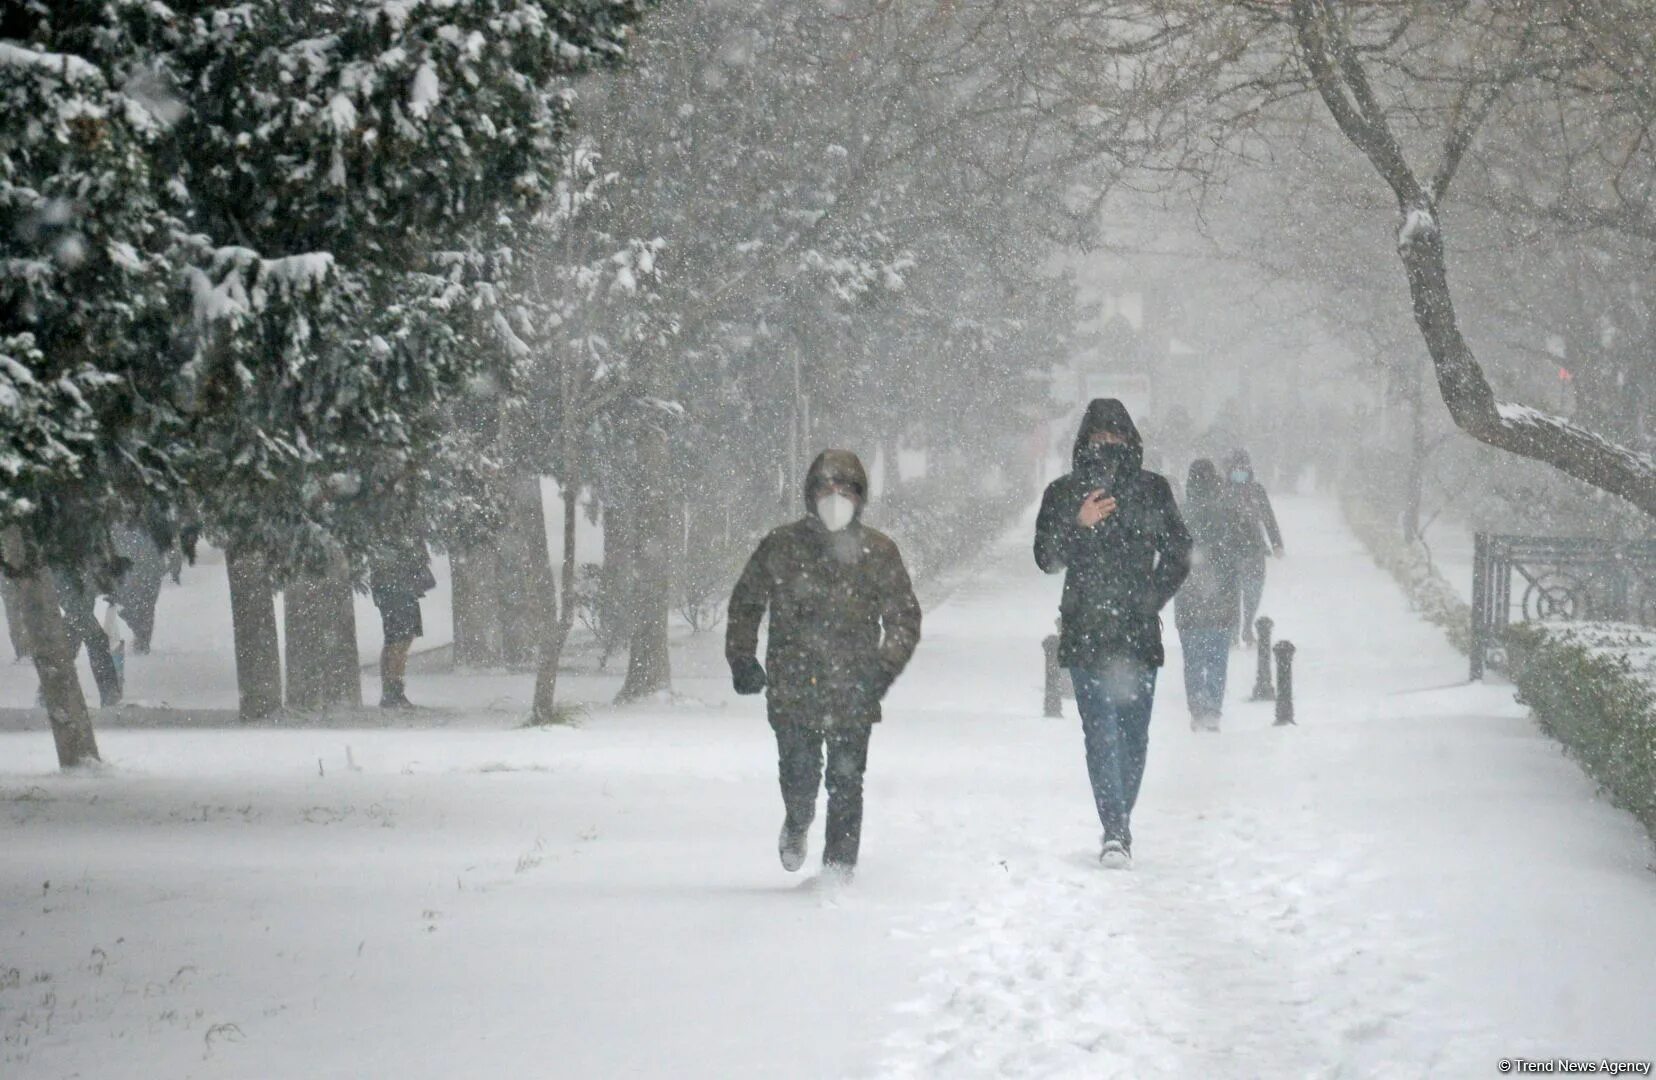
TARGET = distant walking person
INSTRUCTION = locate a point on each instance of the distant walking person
(1117, 531)
(139, 589)
(11, 602)
(1259, 523)
(843, 623)
(1205, 611)
(80, 619)
(398, 577)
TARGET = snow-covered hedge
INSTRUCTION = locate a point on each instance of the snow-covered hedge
(938, 530)
(1592, 686)
(1428, 591)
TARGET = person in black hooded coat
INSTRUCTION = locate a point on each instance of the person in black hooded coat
(1115, 530)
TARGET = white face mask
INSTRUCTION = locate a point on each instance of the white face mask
(836, 511)
(1239, 476)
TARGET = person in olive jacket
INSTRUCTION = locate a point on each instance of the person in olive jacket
(843, 623)
(1116, 531)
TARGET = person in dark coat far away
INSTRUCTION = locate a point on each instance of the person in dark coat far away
(398, 577)
(78, 599)
(1253, 506)
(843, 623)
(1116, 530)
(1205, 610)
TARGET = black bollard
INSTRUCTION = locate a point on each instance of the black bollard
(1053, 700)
(1285, 683)
(1262, 681)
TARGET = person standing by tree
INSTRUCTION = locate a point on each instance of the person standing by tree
(843, 623)
(398, 577)
(1205, 609)
(1253, 508)
(1116, 531)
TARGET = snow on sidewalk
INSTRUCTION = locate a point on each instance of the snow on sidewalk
(1412, 882)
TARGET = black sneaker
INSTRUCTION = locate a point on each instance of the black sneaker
(1114, 856)
(791, 847)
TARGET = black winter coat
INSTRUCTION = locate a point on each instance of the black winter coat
(1211, 595)
(399, 574)
(1122, 572)
(1250, 502)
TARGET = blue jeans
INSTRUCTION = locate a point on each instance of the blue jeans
(1115, 719)
(1206, 655)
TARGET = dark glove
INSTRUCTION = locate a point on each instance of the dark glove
(878, 680)
(747, 675)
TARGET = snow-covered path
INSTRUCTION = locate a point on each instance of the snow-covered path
(1412, 882)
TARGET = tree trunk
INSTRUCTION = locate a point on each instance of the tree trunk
(477, 631)
(342, 668)
(615, 580)
(53, 656)
(527, 597)
(253, 620)
(891, 474)
(546, 679)
(304, 632)
(649, 668)
(320, 627)
(1417, 457)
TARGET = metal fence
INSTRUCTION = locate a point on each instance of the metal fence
(1551, 579)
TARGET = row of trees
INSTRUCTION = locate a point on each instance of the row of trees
(253, 256)
(318, 278)
(312, 280)
(853, 211)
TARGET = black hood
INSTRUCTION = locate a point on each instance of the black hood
(836, 466)
(1108, 414)
(1203, 483)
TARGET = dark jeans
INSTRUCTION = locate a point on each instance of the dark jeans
(1253, 588)
(1206, 656)
(799, 755)
(1115, 719)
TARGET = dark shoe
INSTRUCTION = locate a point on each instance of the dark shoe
(392, 696)
(791, 847)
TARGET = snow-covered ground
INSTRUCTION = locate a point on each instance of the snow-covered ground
(1411, 882)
